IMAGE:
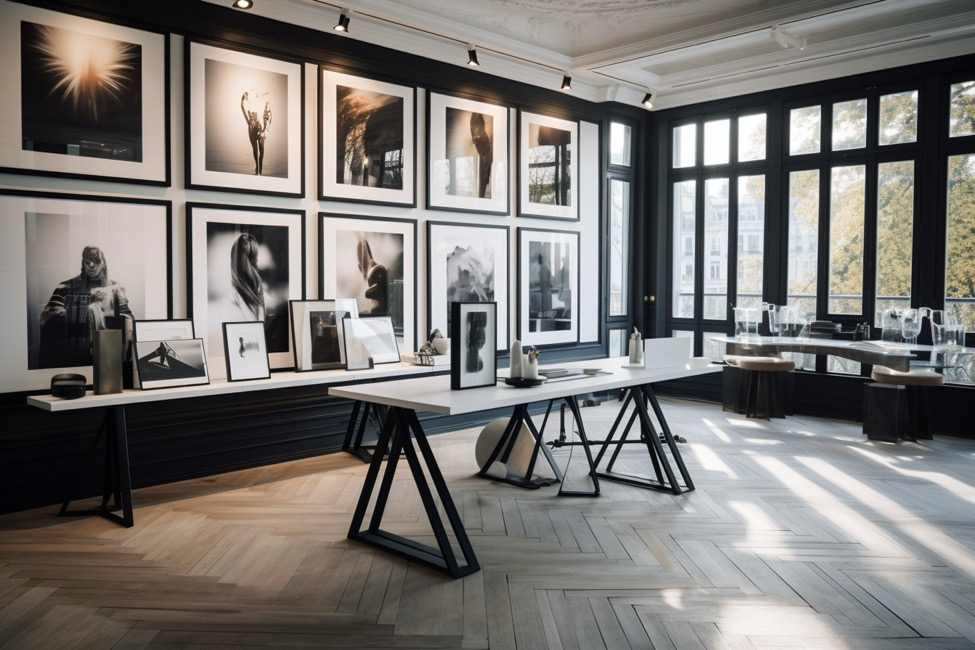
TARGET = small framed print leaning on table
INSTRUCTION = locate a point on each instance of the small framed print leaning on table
(245, 349)
(473, 344)
(83, 98)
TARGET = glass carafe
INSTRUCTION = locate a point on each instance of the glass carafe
(746, 322)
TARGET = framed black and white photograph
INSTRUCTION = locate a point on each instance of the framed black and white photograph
(473, 344)
(548, 167)
(319, 339)
(244, 122)
(167, 364)
(245, 263)
(245, 351)
(72, 264)
(467, 264)
(548, 286)
(367, 145)
(373, 260)
(467, 154)
(85, 98)
(370, 341)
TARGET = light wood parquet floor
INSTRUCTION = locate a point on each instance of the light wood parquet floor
(800, 534)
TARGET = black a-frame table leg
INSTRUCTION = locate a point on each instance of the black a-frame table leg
(356, 429)
(505, 445)
(395, 438)
(117, 485)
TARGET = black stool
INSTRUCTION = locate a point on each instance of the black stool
(896, 405)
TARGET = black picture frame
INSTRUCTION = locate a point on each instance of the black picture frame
(245, 351)
(349, 106)
(173, 363)
(548, 288)
(468, 167)
(110, 124)
(548, 161)
(354, 254)
(244, 121)
(276, 236)
(468, 263)
(318, 330)
(473, 344)
(52, 303)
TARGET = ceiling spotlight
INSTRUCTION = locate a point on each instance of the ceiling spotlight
(472, 56)
(648, 101)
(243, 4)
(566, 82)
(343, 24)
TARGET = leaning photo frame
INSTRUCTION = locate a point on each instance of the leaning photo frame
(158, 330)
(548, 167)
(371, 338)
(245, 349)
(548, 286)
(360, 169)
(467, 154)
(54, 125)
(467, 263)
(473, 344)
(60, 250)
(168, 364)
(262, 98)
(372, 260)
(319, 340)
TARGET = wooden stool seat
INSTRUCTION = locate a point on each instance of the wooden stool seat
(885, 375)
(766, 364)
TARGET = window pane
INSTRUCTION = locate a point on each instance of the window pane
(898, 118)
(751, 240)
(717, 142)
(850, 124)
(618, 343)
(713, 350)
(751, 137)
(619, 228)
(685, 211)
(804, 130)
(895, 231)
(619, 144)
(685, 144)
(716, 235)
(961, 116)
(846, 210)
(960, 271)
(803, 240)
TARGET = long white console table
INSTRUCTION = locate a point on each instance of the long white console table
(402, 435)
(118, 482)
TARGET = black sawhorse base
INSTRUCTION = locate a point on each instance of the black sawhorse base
(354, 433)
(506, 442)
(395, 441)
(117, 485)
(664, 480)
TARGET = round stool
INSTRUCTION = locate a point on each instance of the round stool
(516, 464)
(896, 406)
(765, 395)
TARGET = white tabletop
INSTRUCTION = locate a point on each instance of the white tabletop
(286, 379)
(434, 394)
(894, 355)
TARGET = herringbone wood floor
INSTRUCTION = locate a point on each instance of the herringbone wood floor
(801, 534)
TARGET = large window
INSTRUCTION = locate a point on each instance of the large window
(895, 236)
(803, 260)
(960, 253)
(846, 206)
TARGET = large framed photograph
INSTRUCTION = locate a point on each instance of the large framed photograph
(548, 286)
(167, 364)
(370, 341)
(319, 339)
(70, 264)
(548, 167)
(245, 349)
(373, 260)
(245, 263)
(244, 122)
(367, 148)
(467, 153)
(84, 98)
(473, 344)
(467, 264)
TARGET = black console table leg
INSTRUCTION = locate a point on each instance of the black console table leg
(117, 481)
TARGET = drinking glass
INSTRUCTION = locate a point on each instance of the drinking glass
(891, 325)
(910, 325)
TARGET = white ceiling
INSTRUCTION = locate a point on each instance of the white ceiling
(684, 51)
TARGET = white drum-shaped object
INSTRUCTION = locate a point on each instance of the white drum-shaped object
(520, 453)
